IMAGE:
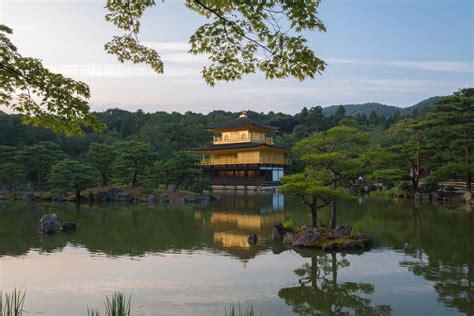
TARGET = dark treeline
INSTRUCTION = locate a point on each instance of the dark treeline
(170, 132)
(148, 149)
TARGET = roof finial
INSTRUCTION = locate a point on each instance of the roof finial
(243, 114)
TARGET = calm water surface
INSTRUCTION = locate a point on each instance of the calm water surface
(195, 260)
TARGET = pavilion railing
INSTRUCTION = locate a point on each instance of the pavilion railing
(244, 161)
(257, 138)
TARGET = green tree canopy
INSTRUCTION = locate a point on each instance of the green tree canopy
(133, 162)
(338, 153)
(411, 154)
(450, 132)
(311, 188)
(39, 158)
(72, 175)
(240, 38)
(45, 98)
(182, 168)
(101, 157)
(7, 154)
(11, 174)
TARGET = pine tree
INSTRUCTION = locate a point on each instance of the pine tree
(101, 157)
(134, 159)
(337, 153)
(71, 175)
(450, 129)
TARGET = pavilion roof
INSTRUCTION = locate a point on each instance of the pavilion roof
(242, 121)
(233, 146)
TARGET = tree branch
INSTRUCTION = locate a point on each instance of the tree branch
(233, 25)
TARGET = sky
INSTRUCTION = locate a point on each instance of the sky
(393, 52)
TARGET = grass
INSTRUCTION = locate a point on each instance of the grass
(11, 304)
(116, 305)
(383, 193)
(248, 311)
(92, 312)
(357, 228)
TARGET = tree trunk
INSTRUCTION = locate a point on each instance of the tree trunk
(469, 182)
(39, 180)
(177, 185)
(104, 179)
(314, 213)
(469, 174)
(414, 184)
(134, 179)
(333, 222)
(414, 175)
(417, 168)
(78, 195)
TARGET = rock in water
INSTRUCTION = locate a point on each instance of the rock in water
(306, 237)
(467, 196)
(252, 239)
(418, 196)
(189, 199)
(366, 239)
(279, 232)
(343, 230)
(28, 197)
(352, 245)
(68, 227)
(288, 238)
(164, 199)
(48, 224)
(151, 199)
(214, 197)
(124, 197)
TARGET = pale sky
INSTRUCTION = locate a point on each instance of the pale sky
(393, 52)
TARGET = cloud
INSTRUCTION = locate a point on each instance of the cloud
(178, 64)
(168, 46)
(451, 66)
(182, 88)
(103, 70)
(125, 71)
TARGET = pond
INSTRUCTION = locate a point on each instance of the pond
(195, 260)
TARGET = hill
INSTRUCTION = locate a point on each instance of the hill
(365, 108)
(419, 106)
(379, 108)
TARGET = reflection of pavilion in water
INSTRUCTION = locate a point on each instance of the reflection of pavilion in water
(234, 218)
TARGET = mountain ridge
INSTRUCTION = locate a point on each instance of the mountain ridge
(379, 108)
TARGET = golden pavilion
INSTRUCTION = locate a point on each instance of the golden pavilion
(242, 155)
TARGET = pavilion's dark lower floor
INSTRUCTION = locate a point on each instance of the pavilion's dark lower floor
(245, 175)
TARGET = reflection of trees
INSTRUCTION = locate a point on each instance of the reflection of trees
(449, 266)
(438, 241)
(108, 229)
(452, 282)
(320, 292)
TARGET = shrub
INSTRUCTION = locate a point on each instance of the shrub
(288, 224)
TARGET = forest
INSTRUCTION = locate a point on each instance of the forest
(415, 150)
